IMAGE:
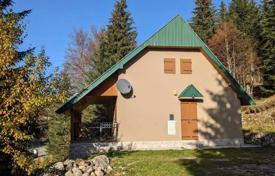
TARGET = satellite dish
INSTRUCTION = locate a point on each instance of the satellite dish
(124, 86)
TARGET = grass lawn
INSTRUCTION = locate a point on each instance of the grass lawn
(245, 161)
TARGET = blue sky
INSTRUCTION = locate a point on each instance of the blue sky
(53, 21)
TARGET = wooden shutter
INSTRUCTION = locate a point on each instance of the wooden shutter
(169, 66)
(185, 66)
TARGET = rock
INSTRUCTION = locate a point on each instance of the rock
(89, 169)
(59, 166)
(102, 162)
(98, 166)
(82, 168)
(91, 162)
(68, 164)
(68, 161)
(69, 173)
(109, 169)
(46, 174)
(88, 163)
(80, 162)
(98, 172)
(76, 171)
(103, 158)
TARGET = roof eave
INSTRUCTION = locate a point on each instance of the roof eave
(182, 98)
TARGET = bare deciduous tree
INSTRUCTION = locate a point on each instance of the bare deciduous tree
(80, 57)
(238, 53)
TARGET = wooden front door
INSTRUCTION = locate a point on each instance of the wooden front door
(189, 121)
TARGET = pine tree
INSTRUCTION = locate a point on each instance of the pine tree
(222, 13)
(204, 22)
(245, 15)
(59, 138)
(119, 38)
(267, 49)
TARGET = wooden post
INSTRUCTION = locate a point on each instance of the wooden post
(72, 126)
(75, 124)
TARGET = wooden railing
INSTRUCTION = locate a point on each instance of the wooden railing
(99, 132)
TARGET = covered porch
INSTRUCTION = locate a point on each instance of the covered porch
(102, 125)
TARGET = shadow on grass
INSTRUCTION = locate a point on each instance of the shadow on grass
(245, 161)
(119, 154)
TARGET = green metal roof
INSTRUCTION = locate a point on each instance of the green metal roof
(176, 33)
(190, 91)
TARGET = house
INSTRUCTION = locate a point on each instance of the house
(170, 92)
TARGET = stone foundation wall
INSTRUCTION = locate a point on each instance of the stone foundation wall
(82, 150)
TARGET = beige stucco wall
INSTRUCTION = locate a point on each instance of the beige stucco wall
(144, 116)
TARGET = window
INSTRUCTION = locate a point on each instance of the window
(171, 117)
(185, 66)
(169, 66)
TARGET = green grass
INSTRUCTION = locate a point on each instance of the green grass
(189, 162)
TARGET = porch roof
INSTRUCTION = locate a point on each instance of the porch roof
(190, 92)
(176, 33)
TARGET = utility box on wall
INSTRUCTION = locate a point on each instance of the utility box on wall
(171, 125)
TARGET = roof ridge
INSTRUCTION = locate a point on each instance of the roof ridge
(169, 22)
